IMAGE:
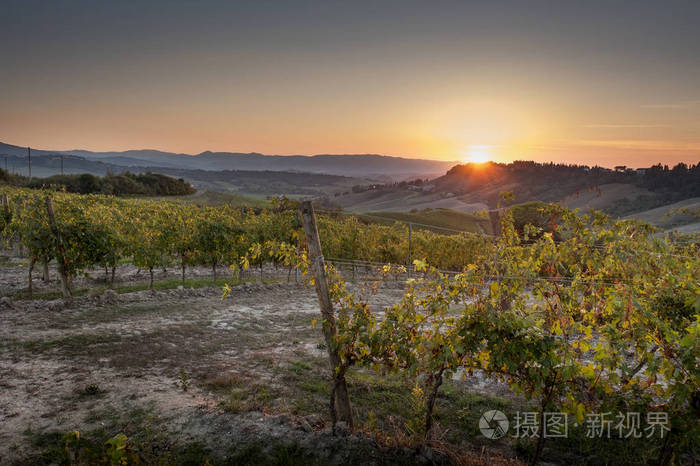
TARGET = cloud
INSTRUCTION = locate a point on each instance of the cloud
(683, 104)
(617, 126)
(635, 144)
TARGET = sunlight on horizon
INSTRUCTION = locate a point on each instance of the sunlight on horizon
(478, 154)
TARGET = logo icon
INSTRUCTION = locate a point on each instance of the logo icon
(493, 424)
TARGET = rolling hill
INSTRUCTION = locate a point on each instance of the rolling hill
(379, 167)
(646, 194)
(266, 183)
(375, 183)
(439, 220)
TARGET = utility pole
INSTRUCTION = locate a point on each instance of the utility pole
(61, 165)
(340, 400)
(29, 159)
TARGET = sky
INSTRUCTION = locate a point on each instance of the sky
(590, 82)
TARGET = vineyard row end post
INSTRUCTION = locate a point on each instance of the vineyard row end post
(495, 217)
(318, 271)
(410, 258)
(60, 257)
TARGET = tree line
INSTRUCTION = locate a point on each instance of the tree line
(123, 184)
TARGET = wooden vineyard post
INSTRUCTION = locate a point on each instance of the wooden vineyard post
(30, 291)
(5, 204)
(60, 258)
(318, 271)
(495, 217)
(296, 267)
(410, 258)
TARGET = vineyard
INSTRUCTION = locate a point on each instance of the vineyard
(579, 314)
(95, 230)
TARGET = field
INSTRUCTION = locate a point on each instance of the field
(404, 200)
(671, 216)
(189, 373)
(190, 377)
(186, 334)
(216, 198)
(435, 220)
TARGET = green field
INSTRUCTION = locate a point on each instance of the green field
(215, 198)
(439, 218)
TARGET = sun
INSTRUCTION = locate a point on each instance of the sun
(479, 154)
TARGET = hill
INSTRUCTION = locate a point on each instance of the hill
(558, 182)
(399, 199)
(266, 183)
(672, 216)
(380, 167)
(437, 220)
(476, 187)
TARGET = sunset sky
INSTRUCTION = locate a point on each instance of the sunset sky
(605, 83)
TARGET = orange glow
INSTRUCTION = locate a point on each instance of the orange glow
(479, 154)
(471, 82)
(427, 125)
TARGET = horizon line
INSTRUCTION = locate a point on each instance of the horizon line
(455, 162)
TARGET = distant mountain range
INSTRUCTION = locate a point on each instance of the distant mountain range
(357, 165)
